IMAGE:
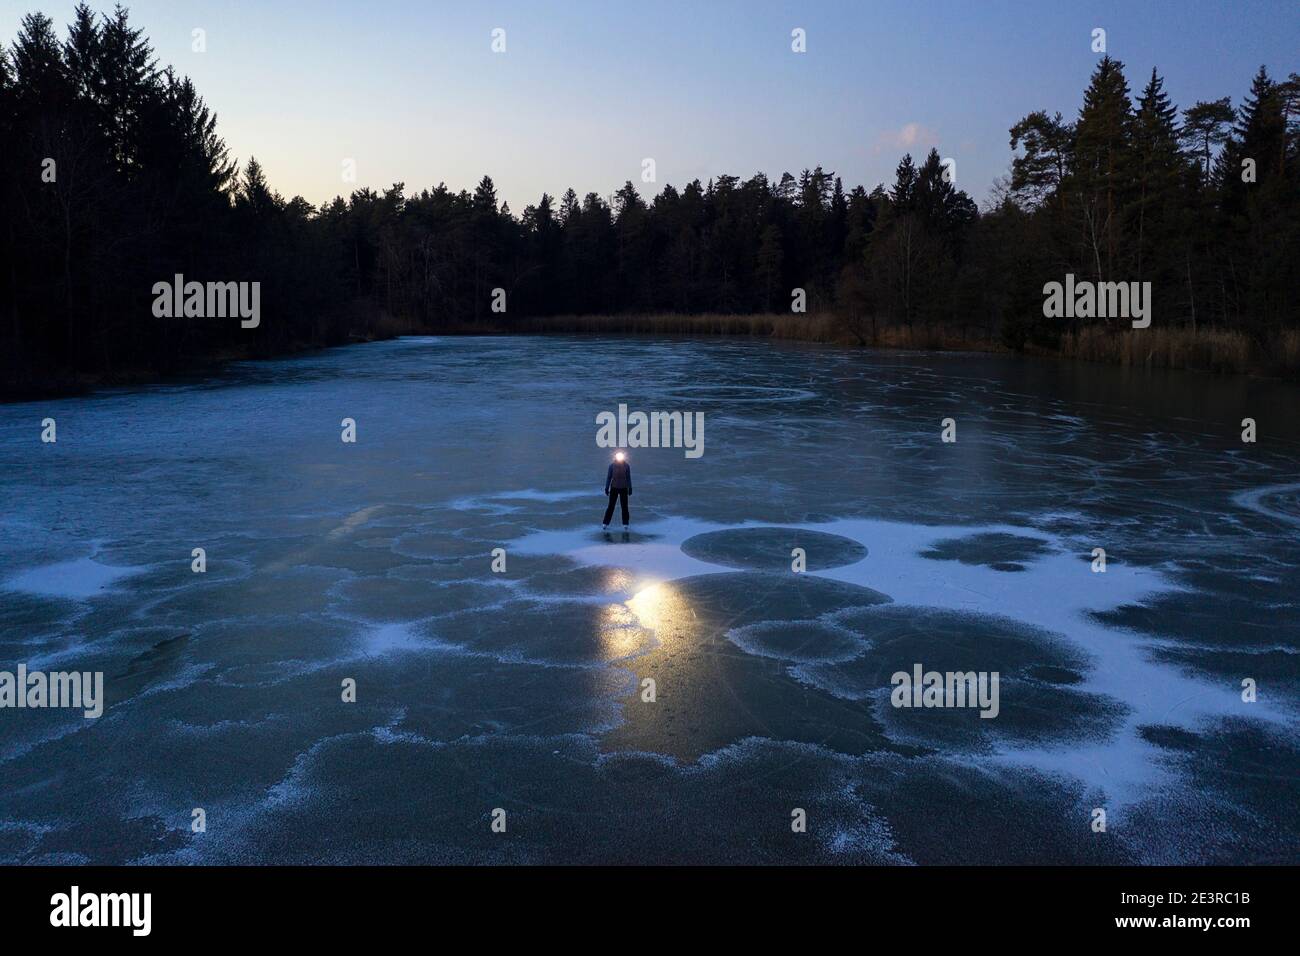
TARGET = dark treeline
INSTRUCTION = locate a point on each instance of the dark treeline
(113, 178)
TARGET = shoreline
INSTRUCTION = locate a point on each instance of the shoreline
(1215, 351)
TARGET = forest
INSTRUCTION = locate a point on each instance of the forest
(114, 177)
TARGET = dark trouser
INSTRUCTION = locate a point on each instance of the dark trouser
(619, 495)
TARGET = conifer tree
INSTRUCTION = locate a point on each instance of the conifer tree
(1103, 163)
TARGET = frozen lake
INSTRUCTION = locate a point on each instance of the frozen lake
(523, 690)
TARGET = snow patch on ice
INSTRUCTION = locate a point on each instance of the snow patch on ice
(78, 579)
(1058, 592)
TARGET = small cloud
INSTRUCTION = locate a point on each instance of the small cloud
(906, 138)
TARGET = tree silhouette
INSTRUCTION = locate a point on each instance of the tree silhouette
(114, 177)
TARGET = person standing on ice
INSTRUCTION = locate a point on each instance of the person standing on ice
(618, 485)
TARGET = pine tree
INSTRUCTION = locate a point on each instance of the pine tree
(1103, 162)
(1157, 165)
(568, 206)
(945, 211)
(82, 53)
(902, 195)
(1037, 174)
(39, 72)
(254, 192)
(128, 80)
(1261, 127)
(1205, 126)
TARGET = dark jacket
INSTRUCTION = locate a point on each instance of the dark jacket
(618, 476)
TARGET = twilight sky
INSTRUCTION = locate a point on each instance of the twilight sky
(412, 91)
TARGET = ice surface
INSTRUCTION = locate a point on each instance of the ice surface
(774, 549)
(524, 688)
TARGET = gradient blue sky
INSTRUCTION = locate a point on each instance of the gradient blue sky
(412, 91)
